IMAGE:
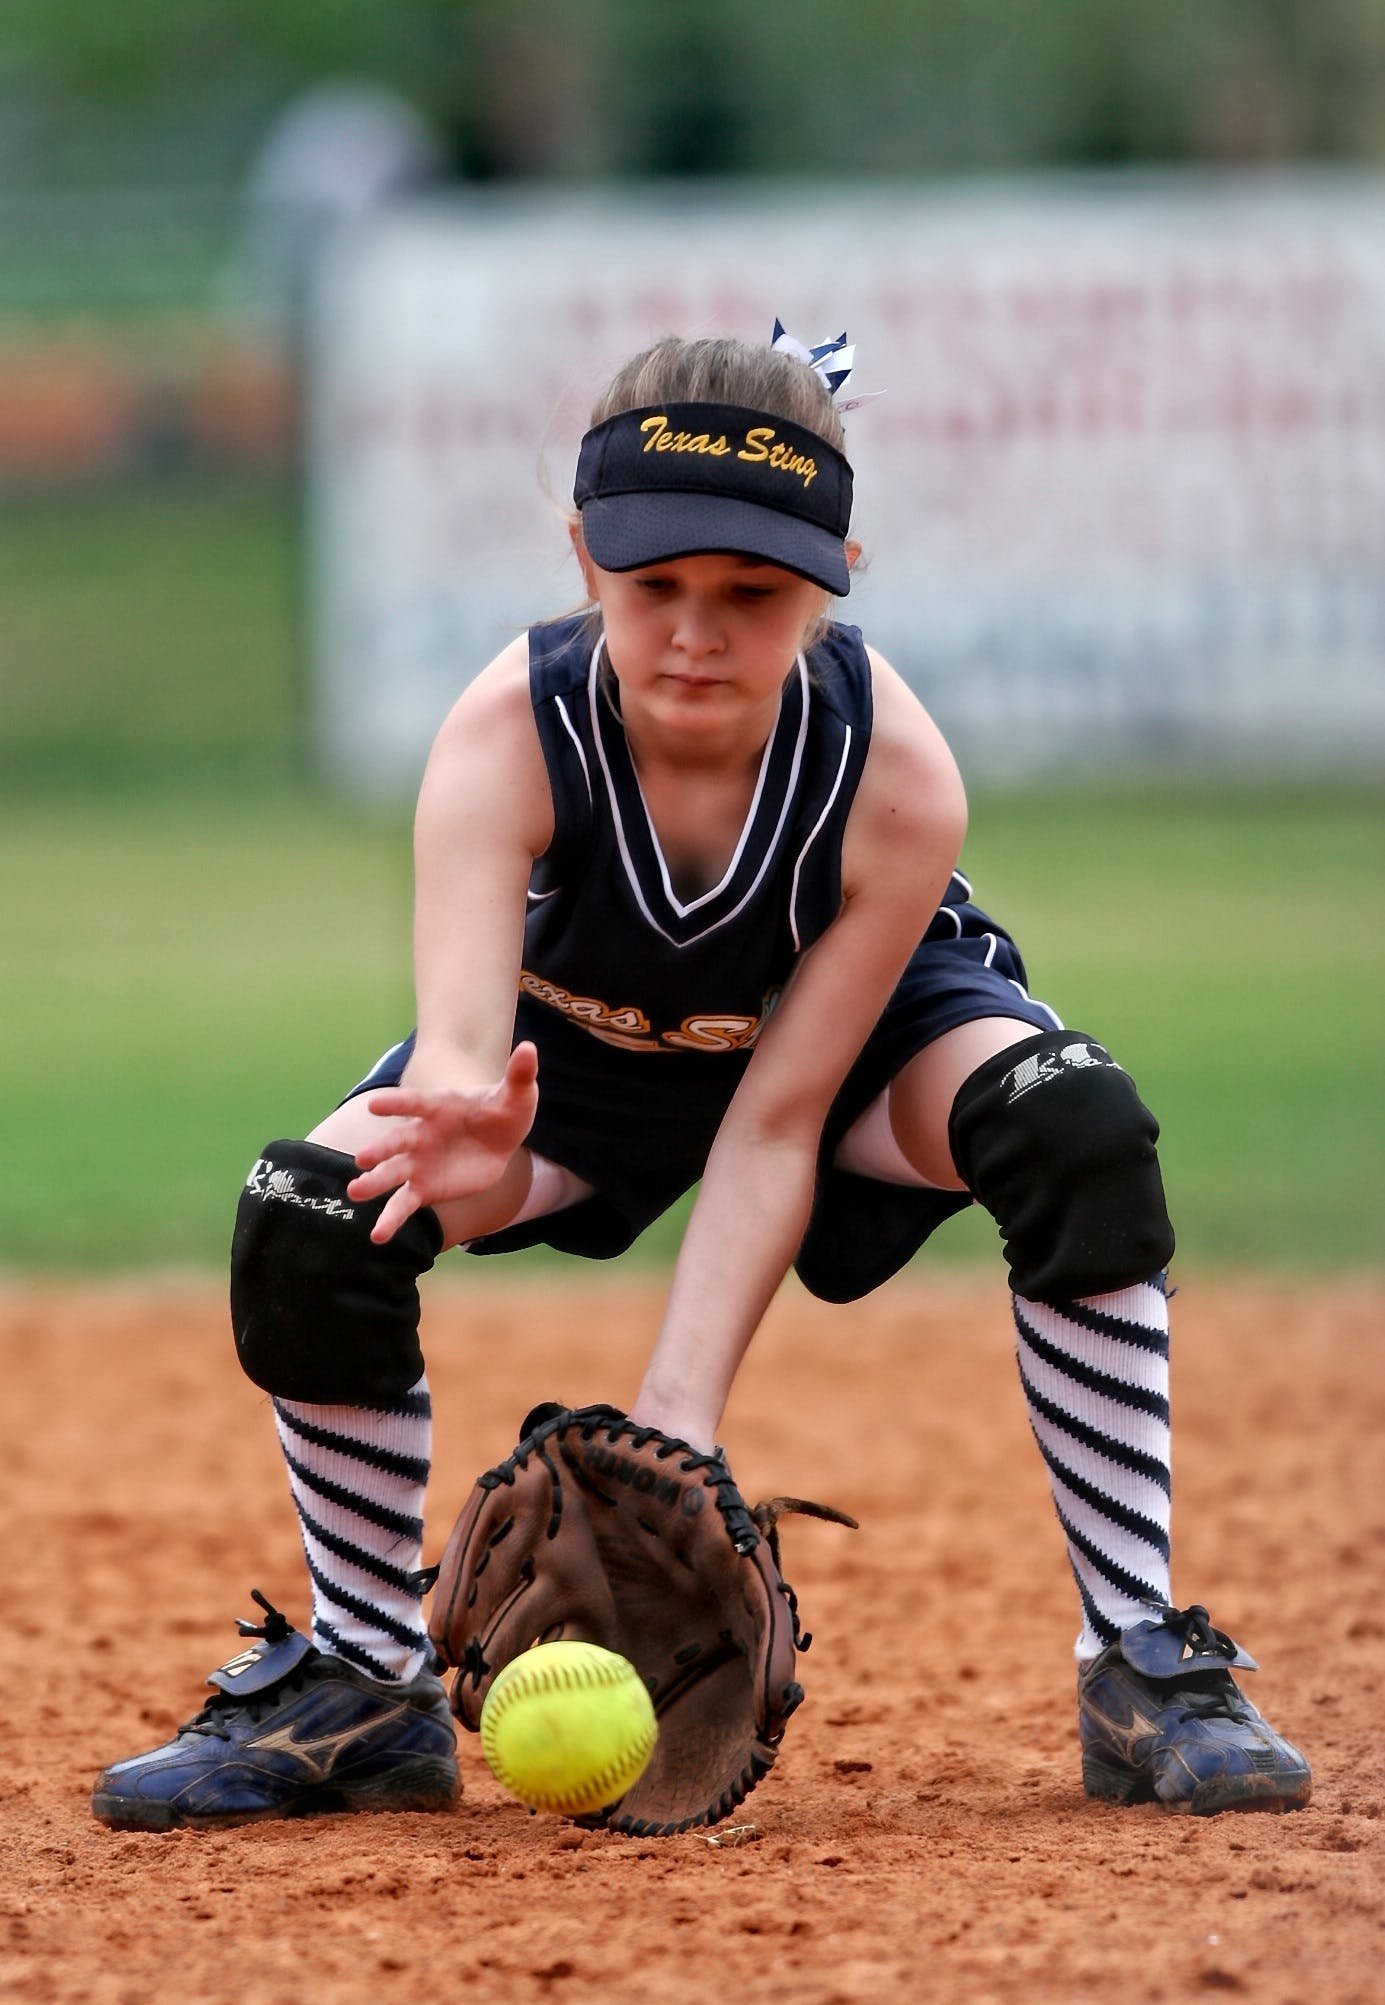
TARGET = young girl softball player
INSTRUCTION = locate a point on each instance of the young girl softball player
(688, 907)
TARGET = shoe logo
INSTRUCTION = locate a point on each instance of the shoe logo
(1044, 1066)
(236, 1665)
(282, 1740)
(1124, 1735)
(1140, 1726)
(267, 1182)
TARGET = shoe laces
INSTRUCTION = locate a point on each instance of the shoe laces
(1194, 1625)
(1204, 1694)
(276, 1627)
(222, 1710)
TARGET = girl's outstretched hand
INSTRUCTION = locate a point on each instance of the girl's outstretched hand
(444, 1145)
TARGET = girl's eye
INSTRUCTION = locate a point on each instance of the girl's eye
(755, 592)
(652, 584)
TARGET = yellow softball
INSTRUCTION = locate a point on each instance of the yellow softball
(568, 1727)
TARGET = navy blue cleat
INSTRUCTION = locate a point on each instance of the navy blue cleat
(1163, 1721)
(290, 1732)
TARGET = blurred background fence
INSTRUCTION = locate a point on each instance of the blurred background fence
(1123, 502)
(203, 941)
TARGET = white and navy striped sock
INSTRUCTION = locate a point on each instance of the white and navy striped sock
(1096, 1376)
(358, 1475)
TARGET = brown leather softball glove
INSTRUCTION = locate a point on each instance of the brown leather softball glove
(601, 1531)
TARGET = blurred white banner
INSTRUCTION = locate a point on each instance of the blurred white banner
(1123, 504)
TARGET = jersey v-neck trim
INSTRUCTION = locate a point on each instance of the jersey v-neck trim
(641, 854)
(710, 897)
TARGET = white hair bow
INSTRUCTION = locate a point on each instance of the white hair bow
(832, 360)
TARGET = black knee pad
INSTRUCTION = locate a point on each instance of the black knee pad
(320, 1313)
(1053, 1139)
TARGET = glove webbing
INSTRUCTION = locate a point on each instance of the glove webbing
(740, 1521)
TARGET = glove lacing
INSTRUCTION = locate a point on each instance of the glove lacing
(608, 1421)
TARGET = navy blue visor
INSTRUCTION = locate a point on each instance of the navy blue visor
(690, 479)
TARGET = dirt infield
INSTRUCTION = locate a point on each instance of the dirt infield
(924, 1835)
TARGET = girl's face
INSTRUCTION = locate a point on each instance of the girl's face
(700, 641)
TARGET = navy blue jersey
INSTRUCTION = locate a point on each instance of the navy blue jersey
(645, 1007)
(608, 942)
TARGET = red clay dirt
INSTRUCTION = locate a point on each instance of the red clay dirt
(924, 1835)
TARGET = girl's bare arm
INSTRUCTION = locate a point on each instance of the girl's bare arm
(484, 812)
(903, 838)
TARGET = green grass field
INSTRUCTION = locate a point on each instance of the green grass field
(185, 977)
(196, 957)
(148, 634)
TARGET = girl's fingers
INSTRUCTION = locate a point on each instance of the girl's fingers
(400, 1208)
(388, 1175)
(523, 1068)
(405, 1100)
(408, 1103)
(379, 1148)
(517, 1092)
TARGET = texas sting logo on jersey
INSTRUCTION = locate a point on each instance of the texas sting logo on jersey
(629, 1027)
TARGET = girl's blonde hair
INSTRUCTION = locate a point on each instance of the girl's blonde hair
(722, 371)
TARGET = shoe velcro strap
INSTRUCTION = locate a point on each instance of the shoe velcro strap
(1162, 1650)
(263, 1665)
